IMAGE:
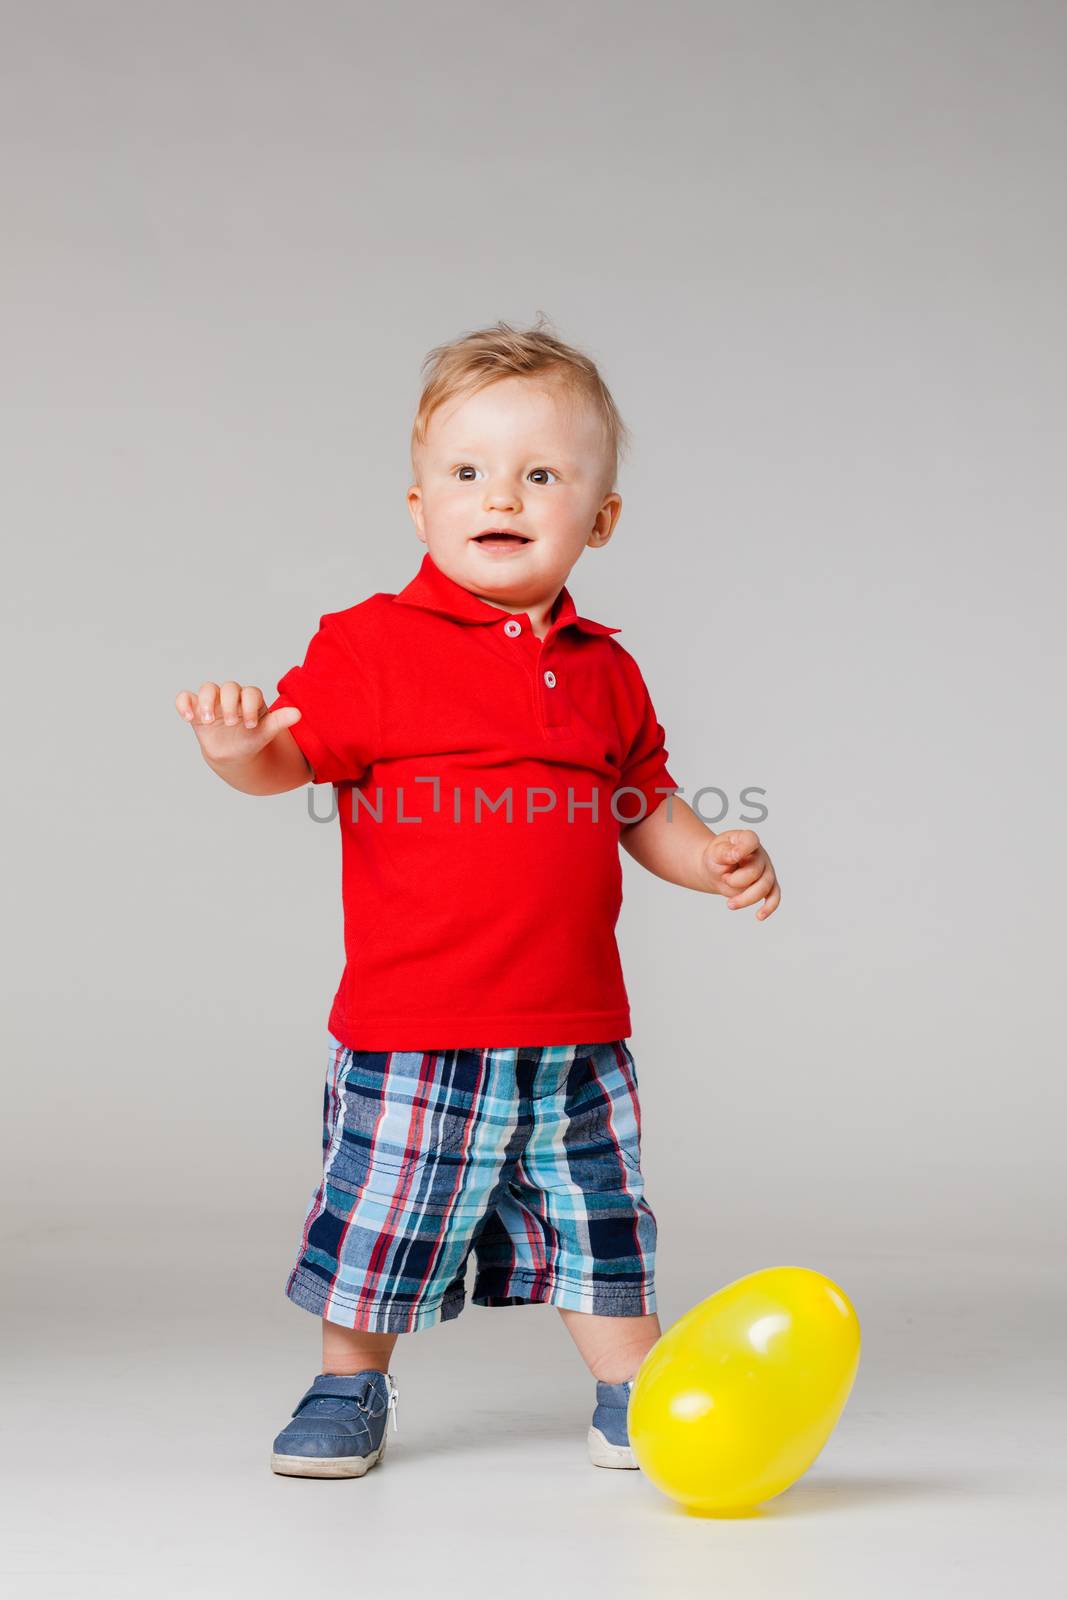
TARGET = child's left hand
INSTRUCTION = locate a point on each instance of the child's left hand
(736, 864)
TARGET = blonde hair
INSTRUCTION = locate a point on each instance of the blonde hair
(477, 359)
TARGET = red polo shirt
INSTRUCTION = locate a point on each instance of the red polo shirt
(481, 888)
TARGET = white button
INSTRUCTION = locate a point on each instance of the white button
(550, 679)
(512, 628)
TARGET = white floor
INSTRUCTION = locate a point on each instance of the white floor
(139, 1408)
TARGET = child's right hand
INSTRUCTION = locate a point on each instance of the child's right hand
(232, 723)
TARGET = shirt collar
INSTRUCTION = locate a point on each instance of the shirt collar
(434, 590)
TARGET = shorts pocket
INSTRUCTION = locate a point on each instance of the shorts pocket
(398, 1112)
(604, 1118)
(336, 1062)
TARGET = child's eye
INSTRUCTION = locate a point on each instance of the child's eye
(543, 469)
(462, 470)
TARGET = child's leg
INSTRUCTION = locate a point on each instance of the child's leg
(346, 1351)
(611, 1347)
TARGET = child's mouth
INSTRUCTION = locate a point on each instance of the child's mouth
(494, 540)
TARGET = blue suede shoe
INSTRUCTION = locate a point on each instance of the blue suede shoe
(338, 1428)
(608, 1438)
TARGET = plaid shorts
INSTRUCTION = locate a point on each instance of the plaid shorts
(530, 1157)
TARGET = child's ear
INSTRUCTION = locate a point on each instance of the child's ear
(414, 499)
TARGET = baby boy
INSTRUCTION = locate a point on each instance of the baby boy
(490, 750)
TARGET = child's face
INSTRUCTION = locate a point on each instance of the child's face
(521, 454)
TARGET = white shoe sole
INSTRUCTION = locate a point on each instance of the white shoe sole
(604, 1454)
(326, 1466)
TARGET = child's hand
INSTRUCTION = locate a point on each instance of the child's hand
(232, 723)
(736, 864)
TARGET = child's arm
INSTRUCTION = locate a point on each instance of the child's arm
(684, 850)
(246, 745)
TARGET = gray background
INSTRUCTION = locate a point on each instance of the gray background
(818, 250)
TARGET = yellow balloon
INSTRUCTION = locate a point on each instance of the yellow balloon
(738, 1397)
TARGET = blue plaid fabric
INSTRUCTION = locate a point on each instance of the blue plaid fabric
(528, 1157)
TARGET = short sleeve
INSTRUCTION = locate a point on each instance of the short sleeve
(645, 763)
(335, 694)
